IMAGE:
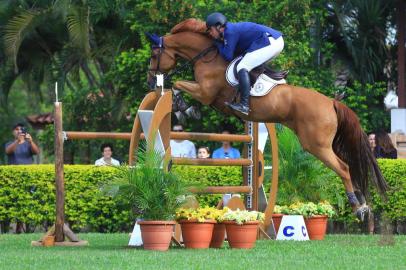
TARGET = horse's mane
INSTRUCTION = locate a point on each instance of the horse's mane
(190, 25)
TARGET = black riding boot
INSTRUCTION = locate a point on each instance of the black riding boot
(244, 88)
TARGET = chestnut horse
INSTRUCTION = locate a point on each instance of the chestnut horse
(325, 127)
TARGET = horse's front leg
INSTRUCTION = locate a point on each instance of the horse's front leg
(195, 90)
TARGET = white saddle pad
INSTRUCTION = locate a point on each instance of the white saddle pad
(261, 87)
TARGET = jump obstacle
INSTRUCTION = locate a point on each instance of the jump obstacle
(158, 106)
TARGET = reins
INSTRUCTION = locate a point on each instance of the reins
(191, 62)
(180, 68)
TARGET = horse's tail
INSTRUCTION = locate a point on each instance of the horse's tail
(352, 146)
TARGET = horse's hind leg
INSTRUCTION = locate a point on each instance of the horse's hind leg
(331, 160)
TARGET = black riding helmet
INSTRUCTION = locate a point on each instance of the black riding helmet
(215, 19)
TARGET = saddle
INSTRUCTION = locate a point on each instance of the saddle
(262, 69)
(263, 79)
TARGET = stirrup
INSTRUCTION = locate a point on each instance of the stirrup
(240, 108)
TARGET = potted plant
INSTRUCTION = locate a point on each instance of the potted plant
(153, 194)
(219, 230)
(277, 215)
(197, 226)
(315, 217)
(242, 227)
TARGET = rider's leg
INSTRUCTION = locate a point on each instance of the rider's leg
(249, 62)
(244, 86)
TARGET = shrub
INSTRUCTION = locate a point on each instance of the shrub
(27, 194)
(394, 171)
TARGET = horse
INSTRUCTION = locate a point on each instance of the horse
(325, 127)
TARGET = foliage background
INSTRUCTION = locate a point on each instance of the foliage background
(98, 53)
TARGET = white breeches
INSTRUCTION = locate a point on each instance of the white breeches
(256, 58)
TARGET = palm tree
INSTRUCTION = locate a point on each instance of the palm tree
(360, 29)
(73, 42)
(62, 40)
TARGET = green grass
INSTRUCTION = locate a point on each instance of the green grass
(109, 251)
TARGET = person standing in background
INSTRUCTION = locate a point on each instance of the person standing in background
(372, 142)
(107, 160)
(226, 151)
(182, 148)
(22, 149)
(203, 152)
(384, 146)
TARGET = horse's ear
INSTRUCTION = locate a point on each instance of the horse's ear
(153, 38)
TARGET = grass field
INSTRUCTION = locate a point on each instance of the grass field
(109, 251)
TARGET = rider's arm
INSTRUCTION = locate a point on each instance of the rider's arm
(227, 47)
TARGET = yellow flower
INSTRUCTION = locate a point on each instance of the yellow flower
(199, 214)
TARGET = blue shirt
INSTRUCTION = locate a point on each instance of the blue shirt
(243, 37)
(230, 153)
(22, 154)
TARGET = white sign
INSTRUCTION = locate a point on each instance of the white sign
(145, 118)
(262, 136)
(292, 228)
(160, 82)
(135, 239)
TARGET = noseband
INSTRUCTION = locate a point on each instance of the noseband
(161, 48)
(191, 62)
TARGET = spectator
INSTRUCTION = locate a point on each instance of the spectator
(182, 148)
(372, 142)
(107, 160)
(384, 146)
(203, 152)
(23, 148)
(226, 151)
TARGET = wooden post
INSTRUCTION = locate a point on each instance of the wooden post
(255, 171)
(401, 52)
(60, 229)
(59, 180)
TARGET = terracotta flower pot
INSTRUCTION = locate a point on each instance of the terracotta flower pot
(197, 234)
(316, 226)
(49, 241)
(241, 236)
(156, 235)
(219, 234)
(277, 219)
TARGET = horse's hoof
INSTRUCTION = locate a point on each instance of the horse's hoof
(178, 103)
(363, 213)
(181, 117)
(193, 112)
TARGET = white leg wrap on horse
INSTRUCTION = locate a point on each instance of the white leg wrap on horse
(253, 59)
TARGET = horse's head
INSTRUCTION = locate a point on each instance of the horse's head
(162, 59)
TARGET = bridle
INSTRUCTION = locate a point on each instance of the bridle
(190, 62)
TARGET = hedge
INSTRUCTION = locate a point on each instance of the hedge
(27, 194)
(395, 174)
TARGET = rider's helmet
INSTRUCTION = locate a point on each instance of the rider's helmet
(215, 19)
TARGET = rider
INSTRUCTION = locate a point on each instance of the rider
(258, 43)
